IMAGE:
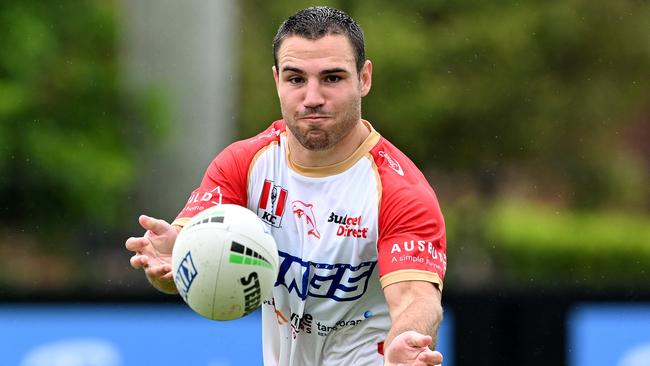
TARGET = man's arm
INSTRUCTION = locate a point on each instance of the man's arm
(416, 313)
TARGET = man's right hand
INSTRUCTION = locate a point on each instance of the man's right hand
(153, 252)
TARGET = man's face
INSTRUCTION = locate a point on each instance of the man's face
(320, 90)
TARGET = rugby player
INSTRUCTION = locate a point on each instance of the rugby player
(360, 234)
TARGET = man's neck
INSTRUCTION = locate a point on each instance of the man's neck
(336, 154)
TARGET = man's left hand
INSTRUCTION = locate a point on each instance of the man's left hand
(411, 349)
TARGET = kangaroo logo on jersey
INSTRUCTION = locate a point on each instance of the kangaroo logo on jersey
(305, 211)
(272, 202)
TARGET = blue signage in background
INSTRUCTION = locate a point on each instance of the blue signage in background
(124, 335)
(446, 338)
(609, 334)
(134, 335)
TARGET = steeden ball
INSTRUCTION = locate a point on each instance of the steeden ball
(225, 262)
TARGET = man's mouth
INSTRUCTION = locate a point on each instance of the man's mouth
(315, 117)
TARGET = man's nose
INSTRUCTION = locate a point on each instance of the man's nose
(313, 95)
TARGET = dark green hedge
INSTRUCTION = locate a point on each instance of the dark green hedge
(541, 245)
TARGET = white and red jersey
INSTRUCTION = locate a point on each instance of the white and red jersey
(343, 232)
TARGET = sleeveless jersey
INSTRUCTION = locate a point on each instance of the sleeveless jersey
(344, 232)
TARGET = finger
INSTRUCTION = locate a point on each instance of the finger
(139, 261)
(168, 277)
(157, 271)
(430, 357)
(154, 225)
(418, 340)
(136, 244)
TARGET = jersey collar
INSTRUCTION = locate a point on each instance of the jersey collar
(340, 167)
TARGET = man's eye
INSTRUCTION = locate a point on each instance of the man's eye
(332, 78)
(295, 80)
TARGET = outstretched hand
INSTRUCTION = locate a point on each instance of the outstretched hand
(411, 349)
(153, 252)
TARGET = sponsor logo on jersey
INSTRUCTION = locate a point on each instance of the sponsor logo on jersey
(325, 329)
(308, 325)
(252, 292)
(419, 251)
(305, 213)
(392, 163)
(185, 275)
(338, 281)
(348, 226)
(200, 200)
(272, 203)
(301, 324)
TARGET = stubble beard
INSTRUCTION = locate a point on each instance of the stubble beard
(325, 139)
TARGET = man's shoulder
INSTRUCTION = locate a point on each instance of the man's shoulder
(247, 148)
(393, 164)
(399, 177)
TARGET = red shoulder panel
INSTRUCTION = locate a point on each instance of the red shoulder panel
(412, 243)
(225, 180)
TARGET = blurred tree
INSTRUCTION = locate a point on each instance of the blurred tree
(66, 154)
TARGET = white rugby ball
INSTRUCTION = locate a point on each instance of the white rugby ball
(225, 263)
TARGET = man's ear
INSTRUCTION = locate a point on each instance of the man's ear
(276, 76)
(365, 78)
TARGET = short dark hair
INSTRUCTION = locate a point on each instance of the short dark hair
(317, 22)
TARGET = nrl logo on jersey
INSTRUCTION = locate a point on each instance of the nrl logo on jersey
(272, 203)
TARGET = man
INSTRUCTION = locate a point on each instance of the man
(359, 231)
